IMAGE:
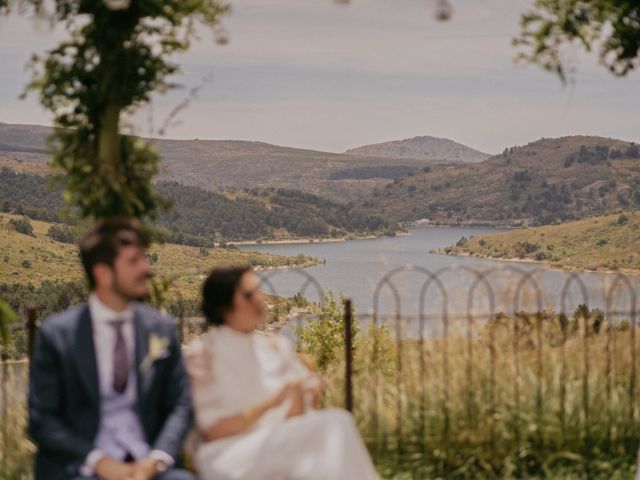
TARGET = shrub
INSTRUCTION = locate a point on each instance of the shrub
(62, 233)
(622, 220)
(22, 225)
(522, 176)
(633, 151)
(522, 249)
(622, 199)
(569, 161)
(26, 264)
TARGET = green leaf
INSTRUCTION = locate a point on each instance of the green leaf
(7, 317)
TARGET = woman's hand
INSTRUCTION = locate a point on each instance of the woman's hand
(315, 386)
(286, 392)
(296, 394)
(300, 393)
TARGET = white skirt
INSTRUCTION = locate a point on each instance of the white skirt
(319, 445)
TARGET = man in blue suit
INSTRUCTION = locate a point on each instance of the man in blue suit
(109, 398)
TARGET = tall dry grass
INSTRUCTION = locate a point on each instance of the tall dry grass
(536, 396)
(16, 451)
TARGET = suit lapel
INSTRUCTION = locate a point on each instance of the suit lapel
(86, 355)
(142, 349)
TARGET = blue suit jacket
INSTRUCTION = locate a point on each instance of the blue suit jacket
(64, 394)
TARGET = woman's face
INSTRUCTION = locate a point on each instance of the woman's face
(248, 310)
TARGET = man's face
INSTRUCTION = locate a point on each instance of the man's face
(131, 273)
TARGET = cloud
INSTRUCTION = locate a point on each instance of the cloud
(319, 75)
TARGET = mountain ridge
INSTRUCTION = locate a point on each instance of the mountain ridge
(220, 164)
(422, 147)
(543, 182)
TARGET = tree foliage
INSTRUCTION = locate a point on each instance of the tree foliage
(117, 54)
(610, 26)
(7, 317)
(198, 217)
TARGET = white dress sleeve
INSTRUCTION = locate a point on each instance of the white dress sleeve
(208, 401)
(296, 369)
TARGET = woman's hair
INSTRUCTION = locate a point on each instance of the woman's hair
(218, 292)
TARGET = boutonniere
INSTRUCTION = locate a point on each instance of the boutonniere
(157, 350)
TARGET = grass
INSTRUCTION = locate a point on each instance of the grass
(16, 451)
(533, 397)
(609, 242)
(28, 259)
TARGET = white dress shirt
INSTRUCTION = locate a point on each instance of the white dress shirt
(120, 432)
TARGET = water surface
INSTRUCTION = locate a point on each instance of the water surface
(357, 269)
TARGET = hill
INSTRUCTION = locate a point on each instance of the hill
(197, 216)
(543, 182)
(610, 242)
(426, 148)
(219, 164)
(36, 257)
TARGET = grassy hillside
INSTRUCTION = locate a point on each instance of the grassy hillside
(32, 259)
(197, 216)
(217, 164)
(543, 182)
(610, 242)
(428, 148)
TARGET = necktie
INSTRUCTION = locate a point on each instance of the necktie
(120, 359)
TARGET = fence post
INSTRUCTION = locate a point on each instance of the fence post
(348, 354)
(32, 329)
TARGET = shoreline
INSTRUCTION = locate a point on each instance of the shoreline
(285, 267)
(622, 271)
(463, 225)
(308, 240)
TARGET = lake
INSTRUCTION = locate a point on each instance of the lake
(356, 268)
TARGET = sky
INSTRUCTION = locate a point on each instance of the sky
(320, 75)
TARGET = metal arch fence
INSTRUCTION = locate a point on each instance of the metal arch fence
(536, 345)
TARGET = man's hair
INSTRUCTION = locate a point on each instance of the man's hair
(102, 243)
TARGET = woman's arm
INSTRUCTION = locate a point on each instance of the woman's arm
(241, 422)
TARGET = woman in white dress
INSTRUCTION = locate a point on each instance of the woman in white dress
(254, 399)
